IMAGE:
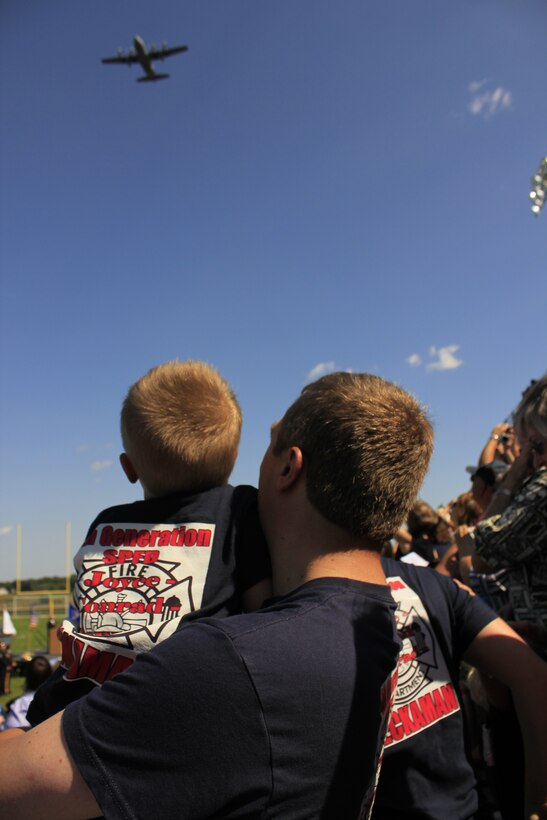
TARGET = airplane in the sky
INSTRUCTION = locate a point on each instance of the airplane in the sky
(145, 56)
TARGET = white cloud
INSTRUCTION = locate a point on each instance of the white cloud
(446, 359)
(489, 103)
(6, 530)
(474, 86)
(82, 448)
(97, 466)
(414, 360)
(319, 370)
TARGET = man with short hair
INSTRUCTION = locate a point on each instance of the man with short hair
(280, 713)
(425, 769)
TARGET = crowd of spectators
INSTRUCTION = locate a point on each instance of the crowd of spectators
(36, 670)
(493, 538)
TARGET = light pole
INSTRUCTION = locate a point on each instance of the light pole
(539, 187)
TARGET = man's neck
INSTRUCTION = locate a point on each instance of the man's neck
(355, 564)
(304, 545)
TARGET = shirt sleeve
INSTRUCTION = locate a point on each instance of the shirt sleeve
(181, 733)
(469, 613)
(515, 535)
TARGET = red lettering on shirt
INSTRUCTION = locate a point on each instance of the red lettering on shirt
(420, 713)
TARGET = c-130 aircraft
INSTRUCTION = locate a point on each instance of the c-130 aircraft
(140, 54)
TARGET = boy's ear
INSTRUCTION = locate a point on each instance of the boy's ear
(292, 467)
(128, 468)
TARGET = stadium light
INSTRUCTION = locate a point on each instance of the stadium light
(539, 187)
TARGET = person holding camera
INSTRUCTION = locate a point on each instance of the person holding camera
(513, 532)
(502, 445)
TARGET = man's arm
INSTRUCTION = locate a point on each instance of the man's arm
(179, 724)
(496, 445)
(499, 652)
(8, 734)
(519, 470)
(39, 778)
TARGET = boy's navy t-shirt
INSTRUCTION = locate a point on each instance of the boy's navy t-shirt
(143, 569)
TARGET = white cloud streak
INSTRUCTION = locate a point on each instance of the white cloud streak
(97, 466)
(319, 370)
(414, 360)
(446, 359)
(489, 103)
(475, 85)
(6, 530)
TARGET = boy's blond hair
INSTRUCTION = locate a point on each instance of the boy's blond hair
(180, 427)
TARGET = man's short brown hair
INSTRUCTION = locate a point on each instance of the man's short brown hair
(366, 445)
(180, 426)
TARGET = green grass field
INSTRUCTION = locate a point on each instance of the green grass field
(28, 639)
(17, 687)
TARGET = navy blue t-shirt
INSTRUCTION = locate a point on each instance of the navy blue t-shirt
(143, 569)
(425, 772)
(280, 713)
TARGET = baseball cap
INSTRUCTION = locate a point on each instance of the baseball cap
(491, 473)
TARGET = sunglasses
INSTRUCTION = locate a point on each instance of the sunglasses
(537, 447)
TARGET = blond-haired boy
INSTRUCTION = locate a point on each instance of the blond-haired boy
(192, 548)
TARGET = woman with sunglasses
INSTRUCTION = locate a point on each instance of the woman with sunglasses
(513, 532)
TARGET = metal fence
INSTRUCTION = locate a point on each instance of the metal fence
(53, 605)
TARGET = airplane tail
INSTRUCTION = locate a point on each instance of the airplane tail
(153, 78)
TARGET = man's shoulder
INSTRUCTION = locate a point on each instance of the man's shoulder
(323, 603)
(426, 582)
(536, 484)
(455, 609)
(436, 592)
(425, 578)
(532, 496)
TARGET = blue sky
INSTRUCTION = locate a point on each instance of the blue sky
(318, 186)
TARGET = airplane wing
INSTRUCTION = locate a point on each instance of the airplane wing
(126, 59)
(160, 53)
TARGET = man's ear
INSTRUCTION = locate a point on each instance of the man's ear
(128, 468)
(292, 468)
